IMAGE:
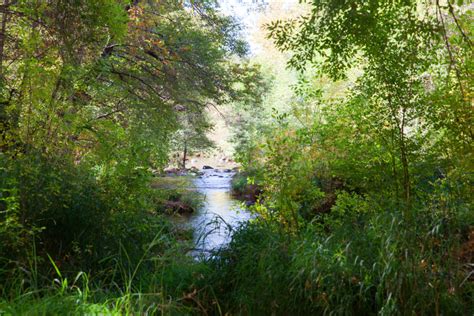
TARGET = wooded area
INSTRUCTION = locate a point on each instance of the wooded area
(358, 176)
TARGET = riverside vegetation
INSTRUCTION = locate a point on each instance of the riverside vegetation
(364, 178)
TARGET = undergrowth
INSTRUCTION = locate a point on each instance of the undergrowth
(365, 265)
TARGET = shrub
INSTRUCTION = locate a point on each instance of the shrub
(365, 263)
(83, 221)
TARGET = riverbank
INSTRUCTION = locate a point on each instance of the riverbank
(361, 264)
(202, 201)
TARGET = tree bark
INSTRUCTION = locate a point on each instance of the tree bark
(3, 30)
(403, 151)
(185, 153)
(404, 159)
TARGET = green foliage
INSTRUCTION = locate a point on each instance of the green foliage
(192, 137)
(239, 183)
(75, 218)
(366, 188)
(167, 287)
(90, 93)
(366, 205)
(348, 207)
(177, 190)
(366, 264)
(403, 48)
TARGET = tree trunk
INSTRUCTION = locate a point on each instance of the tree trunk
(406, 173)
(400, 123)
(3, 30)
(405, 163)
(185, 154)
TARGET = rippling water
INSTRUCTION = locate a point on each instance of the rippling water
(214, 223)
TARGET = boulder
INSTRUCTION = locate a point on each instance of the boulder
(207, 167)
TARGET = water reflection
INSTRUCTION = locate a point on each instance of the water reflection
(213, 225)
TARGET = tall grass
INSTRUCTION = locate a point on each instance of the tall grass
(362, 258)
(156, 284)
(371, 264)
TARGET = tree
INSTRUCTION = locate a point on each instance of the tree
(88, 108)
(192, 135)
(399, 44)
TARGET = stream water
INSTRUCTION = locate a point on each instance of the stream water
(214, 223)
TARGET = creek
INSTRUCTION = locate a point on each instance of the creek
(215, 222)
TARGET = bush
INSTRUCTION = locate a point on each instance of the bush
(245, 187)
(83, 221)
(357, 263)
(176, 195)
